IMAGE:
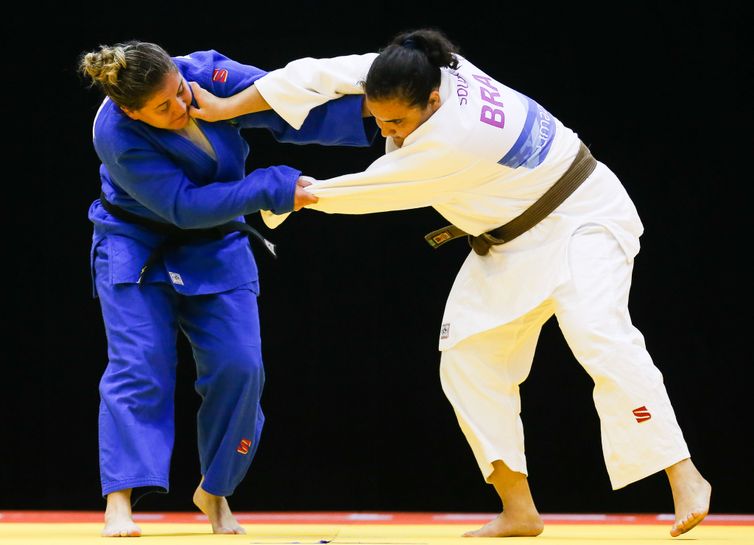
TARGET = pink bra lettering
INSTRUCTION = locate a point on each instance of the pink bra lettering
(492, 115)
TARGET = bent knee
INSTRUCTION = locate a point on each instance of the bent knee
(240, 366)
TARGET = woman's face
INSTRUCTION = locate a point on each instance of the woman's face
(168, 107)
(396, 119)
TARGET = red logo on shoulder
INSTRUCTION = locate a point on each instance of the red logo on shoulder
(641, 414)
(243, 446)
(220, 74)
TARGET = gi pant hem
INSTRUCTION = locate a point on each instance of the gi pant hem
(161, 484)
(218, 491)
(620, 482)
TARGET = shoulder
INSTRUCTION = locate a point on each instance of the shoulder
(114, 133)
(199, 59)
(217, 72)
(199, 65)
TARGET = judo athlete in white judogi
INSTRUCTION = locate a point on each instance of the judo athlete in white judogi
(480, 153)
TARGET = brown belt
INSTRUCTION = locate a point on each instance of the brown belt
(581, 167)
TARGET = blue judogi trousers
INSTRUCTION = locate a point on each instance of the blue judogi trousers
(136, 417)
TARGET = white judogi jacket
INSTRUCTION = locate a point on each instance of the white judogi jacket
(480, 160)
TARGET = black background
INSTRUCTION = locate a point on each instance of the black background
(350, 312)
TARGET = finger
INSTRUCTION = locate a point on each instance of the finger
(196, 113)
(303, 199)
(195, 87)
(196, 91)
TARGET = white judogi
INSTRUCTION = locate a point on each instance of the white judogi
(480, 160)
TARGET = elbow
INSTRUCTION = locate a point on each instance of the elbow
(195, 220)
(190, 218)
(193, 210)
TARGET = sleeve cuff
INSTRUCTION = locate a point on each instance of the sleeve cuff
(290, 102)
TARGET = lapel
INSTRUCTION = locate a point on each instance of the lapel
(194, 159)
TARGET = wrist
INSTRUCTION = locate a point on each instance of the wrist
(231, 107)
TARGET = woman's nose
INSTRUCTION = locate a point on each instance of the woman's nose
(385, 130)
(179, 105)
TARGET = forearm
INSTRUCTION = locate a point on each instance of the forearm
(248, 101)
(336, 123)
(157, 185)
(271, 188)
(213, 108)
(306, 83)
(292, 92)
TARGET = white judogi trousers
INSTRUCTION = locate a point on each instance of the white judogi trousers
(481, 374)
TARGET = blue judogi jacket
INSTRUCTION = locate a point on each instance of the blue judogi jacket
(158, 174)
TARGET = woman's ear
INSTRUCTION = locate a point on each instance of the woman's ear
(130, 113)
(434, 99)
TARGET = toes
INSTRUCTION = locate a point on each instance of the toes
(479, 532)
(229, 530)
(124, 532)
(683, 526)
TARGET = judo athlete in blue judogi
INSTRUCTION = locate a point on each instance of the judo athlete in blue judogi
(167, 182)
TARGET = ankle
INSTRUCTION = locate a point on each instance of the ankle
(119, 500)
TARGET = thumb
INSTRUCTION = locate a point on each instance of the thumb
(305, 181)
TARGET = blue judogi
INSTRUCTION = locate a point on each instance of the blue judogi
(207, 289)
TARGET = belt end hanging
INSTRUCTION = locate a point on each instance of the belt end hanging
(270, 247)
(441, 236)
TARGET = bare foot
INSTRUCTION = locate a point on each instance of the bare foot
(520, 516)
(218, 512)
(118, 518)
(507, 525)
(691, 496)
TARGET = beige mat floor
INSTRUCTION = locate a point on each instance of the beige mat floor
(369, 534)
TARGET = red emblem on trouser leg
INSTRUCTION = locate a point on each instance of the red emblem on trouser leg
(641, 414)
(243, 446)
